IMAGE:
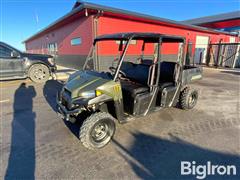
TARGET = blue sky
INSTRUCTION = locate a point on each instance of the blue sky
(23, 18)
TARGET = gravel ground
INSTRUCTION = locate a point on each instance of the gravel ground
(36, 143)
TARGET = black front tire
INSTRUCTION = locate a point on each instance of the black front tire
(39, 73)
(188, 98)
(97, 130)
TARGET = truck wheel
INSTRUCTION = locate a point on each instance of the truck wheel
(97, 130)
(188, 98)
(39, 73)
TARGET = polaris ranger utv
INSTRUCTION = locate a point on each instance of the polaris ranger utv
(126, 87)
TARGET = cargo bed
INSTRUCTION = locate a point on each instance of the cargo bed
(191, 74)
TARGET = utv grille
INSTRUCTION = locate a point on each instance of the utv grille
(64, 102)
(66, 98)
(67, 92)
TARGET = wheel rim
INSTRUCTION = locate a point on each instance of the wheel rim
(100, 132)
(39, 74)
(192, 99)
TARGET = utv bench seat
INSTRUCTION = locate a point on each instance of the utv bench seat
(132, 89)
(138, 73)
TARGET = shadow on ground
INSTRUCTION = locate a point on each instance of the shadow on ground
(231, 72)
(155, 158)
(50, 90)
(21, 162)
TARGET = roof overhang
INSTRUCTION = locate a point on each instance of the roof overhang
(214, 18)
(223, 24)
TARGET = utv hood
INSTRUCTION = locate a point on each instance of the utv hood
(84, 81)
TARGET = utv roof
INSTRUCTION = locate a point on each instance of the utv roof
(140, 36)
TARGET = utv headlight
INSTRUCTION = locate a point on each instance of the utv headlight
(98, 93)
(51, 61)
(88, 94)
(91, 94)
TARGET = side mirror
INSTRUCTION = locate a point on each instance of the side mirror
(14, 54)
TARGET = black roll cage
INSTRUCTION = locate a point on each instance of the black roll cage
(147, 38)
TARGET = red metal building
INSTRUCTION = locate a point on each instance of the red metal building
(71, 36)
(226, 21)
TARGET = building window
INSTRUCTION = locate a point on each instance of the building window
(76, 41)
(134, 42)
(52, 48)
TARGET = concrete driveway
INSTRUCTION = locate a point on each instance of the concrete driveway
(36, 143)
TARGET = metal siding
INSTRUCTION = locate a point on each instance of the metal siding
(81, 27)
(109, 25)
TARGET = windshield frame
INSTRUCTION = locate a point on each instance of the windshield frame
(121, 59)
(92, 53)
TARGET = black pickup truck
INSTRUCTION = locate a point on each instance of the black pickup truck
(15, 64)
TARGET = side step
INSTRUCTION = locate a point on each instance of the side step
(128, 118)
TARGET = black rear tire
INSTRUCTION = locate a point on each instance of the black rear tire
(39, 73)
(97, 130)
(188, 98)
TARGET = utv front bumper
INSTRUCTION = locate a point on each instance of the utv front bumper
(64, 112)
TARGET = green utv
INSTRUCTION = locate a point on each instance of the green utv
(126, 85)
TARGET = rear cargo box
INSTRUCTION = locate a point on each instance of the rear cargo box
(190, 74)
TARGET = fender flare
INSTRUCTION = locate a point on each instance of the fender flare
(105, 100)
(100, 99)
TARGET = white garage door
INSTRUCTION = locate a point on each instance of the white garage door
(232, 40)
(201, 49)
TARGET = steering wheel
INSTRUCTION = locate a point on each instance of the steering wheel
(113, 70)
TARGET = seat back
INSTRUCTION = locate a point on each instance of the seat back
(167, 72)
(136, 72)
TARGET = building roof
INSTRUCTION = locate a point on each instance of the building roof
(214, 18)
(80, 6)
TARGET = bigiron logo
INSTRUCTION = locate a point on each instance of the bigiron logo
(209, 169)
